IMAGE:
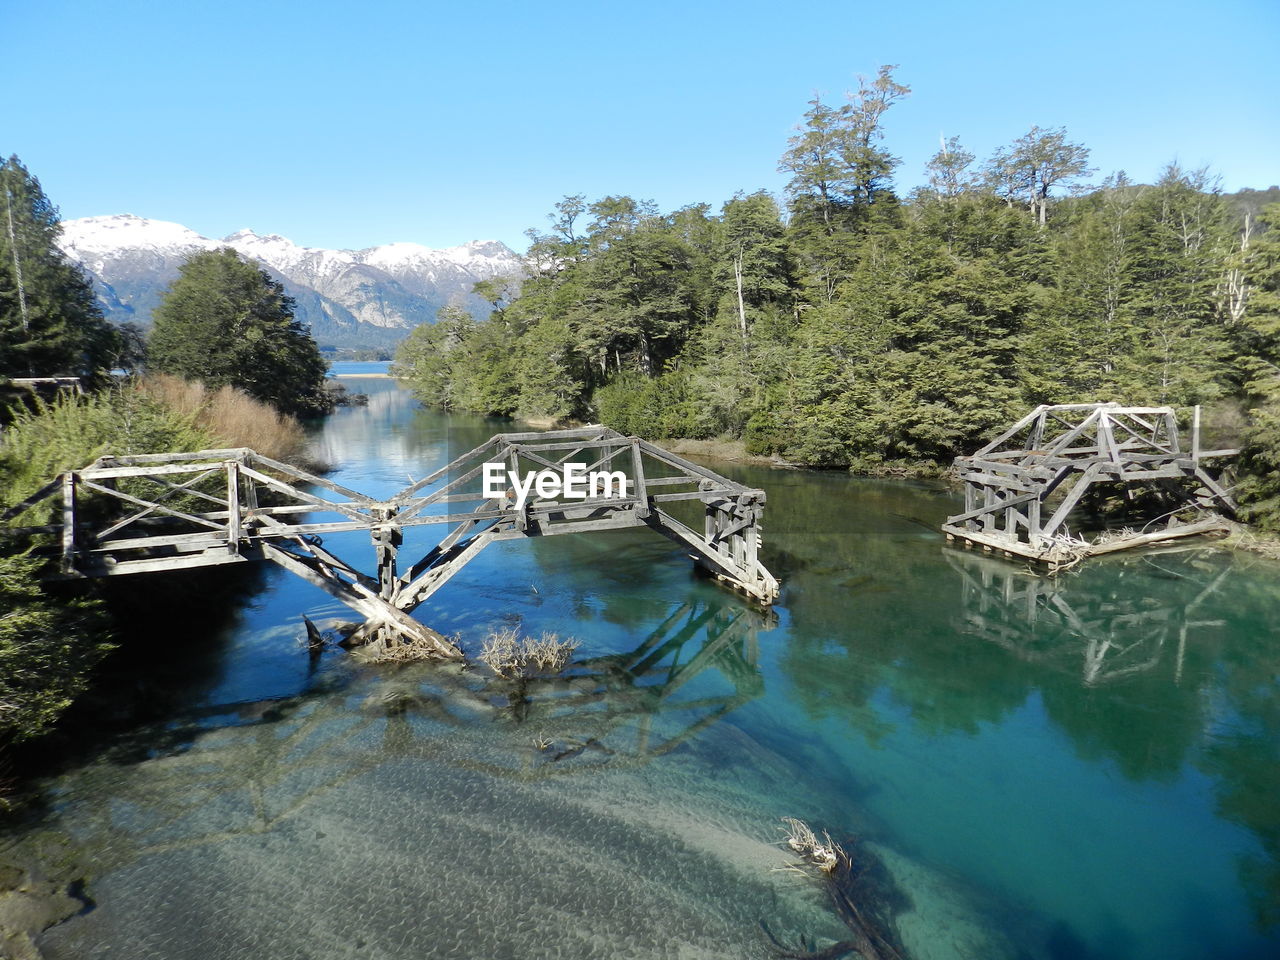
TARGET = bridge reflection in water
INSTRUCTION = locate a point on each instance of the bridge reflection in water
(265, 762)
(1095, 625)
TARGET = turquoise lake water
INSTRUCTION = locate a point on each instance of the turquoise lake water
(1086, 767)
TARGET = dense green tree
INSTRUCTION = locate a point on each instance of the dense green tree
(1181, 236)
(225, 322)
(866, 332)
(50, 324)
(1034, 165)
(841, 176)
(429, 357)
(753, 258)
(949, 171)
(48, 646)
(819, 185)
(1258, 329)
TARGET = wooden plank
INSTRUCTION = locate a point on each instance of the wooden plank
(621, 521)
(1003, 483)
(417, 592)
(997, 542)
(220, 454)
(689, 466)
(637, 471)
(173, 488)
(524, 449)
(209, 558)
(1072, 498)
(669, 481)
(234, 528)
(1062, 442)
(410, 508)
(1215, 488)
(1171, 533)
(593, 430)
(160, 470)
(185, 541)
(431, 478)
(1012, 431)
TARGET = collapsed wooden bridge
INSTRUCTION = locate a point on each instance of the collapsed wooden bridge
(139, 514)
(1022, 487)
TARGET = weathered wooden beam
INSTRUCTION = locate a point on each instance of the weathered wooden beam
(306, 477)
(377, 611)
(1013, 431)
(136, 459)
(689, 466)
(973, 513)
(68, 522)
(1159, 536)
(172, 489)
(214, 556)
(167, 511)
(157, 470)
(435, 475)
(417, 592)
(357, 510)
(18, 508)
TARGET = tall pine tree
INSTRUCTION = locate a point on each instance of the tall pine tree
(49, 322)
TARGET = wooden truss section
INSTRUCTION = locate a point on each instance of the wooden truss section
(124, 515)
(1021, 489)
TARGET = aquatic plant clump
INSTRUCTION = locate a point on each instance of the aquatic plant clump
(854, 901)
(508, 654)
(825, 856)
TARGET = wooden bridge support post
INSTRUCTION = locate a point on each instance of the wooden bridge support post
(387, 537)
(69, 523)
(234, 520)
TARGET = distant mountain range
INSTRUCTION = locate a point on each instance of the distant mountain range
(349, 298)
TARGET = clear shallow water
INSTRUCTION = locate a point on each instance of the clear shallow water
(1080, 768)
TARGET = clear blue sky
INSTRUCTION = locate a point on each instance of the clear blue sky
(356, 123)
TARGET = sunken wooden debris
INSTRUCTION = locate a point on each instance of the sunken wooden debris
(126, 515)
(1022, 488)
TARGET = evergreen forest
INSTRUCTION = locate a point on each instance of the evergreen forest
(858, 325)
(227, 364)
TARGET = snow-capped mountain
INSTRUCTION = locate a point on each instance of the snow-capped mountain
(357, 298)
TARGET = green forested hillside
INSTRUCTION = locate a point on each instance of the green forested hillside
(860, 325)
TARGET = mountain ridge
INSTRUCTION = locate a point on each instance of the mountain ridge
(372, 297)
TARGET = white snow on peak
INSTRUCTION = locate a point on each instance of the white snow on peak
(90, 236)
(484, 256)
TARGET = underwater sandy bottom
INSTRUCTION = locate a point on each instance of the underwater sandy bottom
(383, 821)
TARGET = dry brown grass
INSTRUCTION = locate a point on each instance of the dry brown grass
(508, 654)
(234, 417)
